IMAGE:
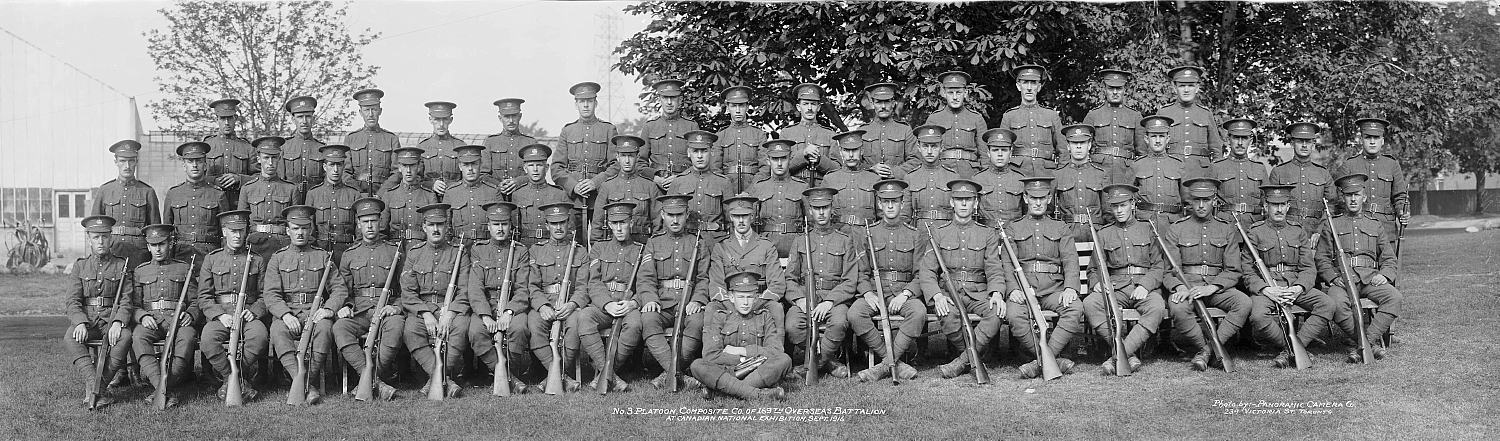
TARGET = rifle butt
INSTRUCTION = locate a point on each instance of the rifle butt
(297, 395)
(232, 394)
(554, 370)
(501, 386)
(602, 383)
(364, 391)
(676, 359)
(435, 383)
(1211, 332)
(1299, 350)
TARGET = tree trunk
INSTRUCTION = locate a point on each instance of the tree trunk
(1185, 44)
(1479, 192)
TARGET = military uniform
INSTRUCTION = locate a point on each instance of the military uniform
(218, 291)
(487, 288)
(193, 207)
(300, 160)
(1240, 178)
(672, 279)
(424, 285)
(755, 334)
(753, 253)
(1208, 250)
(295, 275)
(366, 266)
(1132, 259)
(227, 153)
(1000, 188)
(835, 279)
(961, 128)
(1046, 252)
(468, 198)
(1287, 251)
(1369, 251)
(551, 258)
(971, 252)
(666, 141)
(502, 151)
(131, 203)
(403, 200)
(1159, 178)
(264, 197)
(1386, 189)
(1078, 188)
(583, 149)
(610, 273)
(928, 184)
(370, 148)
(738, 147)
(438, 152)
(809, 133)
(708, 188)
(1039, 137)
(854, 203)
(1116, 138)
(98, 281)
(531, 196)
(1312, 182)
(630, 188)
(160, 284)
(1195, 132)
(896, 247)
(334, 220)
(887, 141)
(781, 216)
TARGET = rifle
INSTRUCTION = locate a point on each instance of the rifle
(159, 399)
(438, 381)
(1044, 355)
(1204, 320)
(744, 369)
(1299, 351)
(555, 369)
(614, 331)
(981, 376)
(232, 383)
(364, 391)
(501, 384)
(1116, 323)
(102, 360)
(885, 315)
(687, 295)
(810, 357)
(298, 393)
(1366, 352)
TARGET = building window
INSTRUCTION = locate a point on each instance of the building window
(63, 206)
(31, 206)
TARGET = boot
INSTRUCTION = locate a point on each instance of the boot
(958, 366)
(1108, 366)
(1030, 370)
(1135, 363)
(690, 382)
(875, 373)
(1200, 360)
(771, 393)
(385, 391)
(660, 382)
(905, 371)
(736, 388)
(1282, 360)
(1065, 365)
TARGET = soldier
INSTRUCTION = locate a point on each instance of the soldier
(371, 147)
(366, 266)
(961, 124)
(835, 278)
(334, 201)
(438, 152)
(1000, 183)
(1312, 181)
(971, 252)
(854, 202)
(300, 157)
(737, 148)
(290, 290)
(229, 156)
(425, 278)
(671, 279)
(780, 197)
(706, 185)
(666, 142)
(583, 146)
(1387, 200)
(744, 250)
(130, 202)
(1240, 176)
(1039, 136)
(193, 206)
(469, 196)
(160, 283)
(265, 195)
(551, 257)
(535, 193)
(502, 159)
(218, 291)
(887, 141)
(812, 159)
(896, 246)
(98, 282)
(1079, 182)
(627, 186)
(1158, 175)
(1046, 252)
(403, 199)
(1287, 251)
(1134, 264)
(1116, 139)
(748, 328)
(1369, 252)
(928, 180)
(1208, 250)
(1195, 131)
(612, 266)
(487, 282)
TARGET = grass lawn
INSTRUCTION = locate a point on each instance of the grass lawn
(1439, 383)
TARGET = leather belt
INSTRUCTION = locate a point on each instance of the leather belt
(957, 154)
(678, 284)
(966, 276)
(298, 297)
(935, 214)
(617, 286)
(372, 292)
(223, 299)
(1379, 208)
(895, 276)
(126, 231)
(1080, 218)
(1242, 207)
(539, 233)
(1189, 150)
(853, 219)
(338, 238)
(1111, 151)
(580, 166)
(433, 298)
(1159, 208)
(1201, 270)
(709, 226)
(782, 227)
(1129, 270)
(1035, 152)
(192, 233)
(1281, 268)
(822, 284)
(741, 169)
(163, 305)
(1363, 261)
(102, 302)
(273, 229)
(553, 289)
(1042, 267)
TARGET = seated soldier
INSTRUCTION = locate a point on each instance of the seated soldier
(1135, 270)
(1370, 253)
(746, 331)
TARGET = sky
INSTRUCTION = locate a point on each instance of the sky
(470, 53)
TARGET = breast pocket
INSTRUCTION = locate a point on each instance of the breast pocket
(222, 282)
(830, 261)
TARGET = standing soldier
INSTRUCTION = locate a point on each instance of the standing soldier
(737, 148)
(961, 125)
(1046, 252)
(1000, 183)
(780, 197)
(1287, 251)
(439, 154)
(160, 282)
(1312, 183)
(1039, 136)
(193, 206)
(502, 151)
(627, 186)
(706, 185)
(229, 156)
(266, 195)
(366, 266)
(1134, 264)
(972, 254)
(835, 278)
(300, 157)
(218, 290)
(370, 147)
(612, 265)
(1195, 134)
(810, 159)
(535, 193)
(1078, 184)
(1369, 252)
(469, 196)
(1209, 251)
(854, 202)
(129, 201)
(424, 284)
(1158, 176)
(334, 201)
(583, 146)
(1387, 200)
(666, 135)
(929, 179)
(487, 282)
(744, 250)
(896, 246)
(670, 276)
(1239, 175)
(887, 141)
(92, 312)
(551, 258)
(403, 199)
(290, 290)
(746, 327)
(1115, 135)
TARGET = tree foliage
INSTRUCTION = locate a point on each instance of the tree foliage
(261, 53)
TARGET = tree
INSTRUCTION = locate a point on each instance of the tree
(1472, 32)
(261, 53)
(535, 130)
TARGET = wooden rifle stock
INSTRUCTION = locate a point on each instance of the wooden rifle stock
(97, 385)
(981, 375)
(744, 369)
(297, 395)
(1116, 323)
(687, 296)
(614, 331)
(1210, 330)
(1351, 287)
(1044, 355)
(364, 391)
(1299, 351)
(501, 384)
(232, 390)
(810, 357)
(885, 314)
(554, 384)
(438, 381)
(159, 398)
